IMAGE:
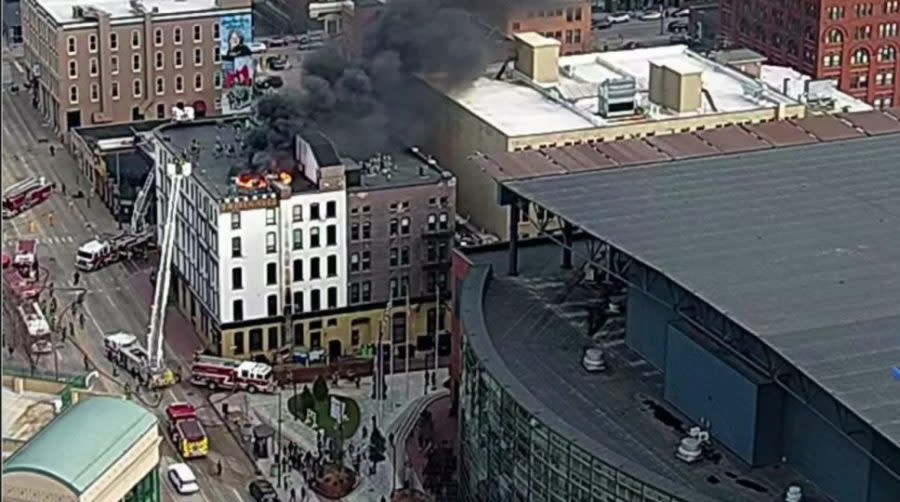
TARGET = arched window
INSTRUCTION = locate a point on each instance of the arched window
(861, 56)
(835, 37)
(887, 54)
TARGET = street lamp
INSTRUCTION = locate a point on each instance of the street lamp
(391, 439)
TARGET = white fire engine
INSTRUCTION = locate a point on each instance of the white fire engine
(125, 352)
(37, 327)
(230, 374)
(25, 194)
(25, 259)
(96, 254)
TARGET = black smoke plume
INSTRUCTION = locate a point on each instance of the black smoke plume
(373, 103)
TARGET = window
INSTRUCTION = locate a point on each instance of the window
(137, 88)
(314, 272)
(577, 38)
(314, 211)
(366, 260)
(366, 291)
(159, 60)
(95, 92)
(73, 69)
(237, 310)
(217, 55)
(331, 235)
(297, 213)
(235, 247)
(235, 220)
(859, 81)
(114, 63)
(331, 266)
(161, 110)
(216, 31)
(394, 257)
(393, 227)
(198, 82)
(179, 59)
(198, 33)
(835, 37)
(92, 43)
(179, 83)
(272, 305)
(354, 232)
(135, 39)
(237, 278)
(73, 94)
(432, 222)
(271, 274)
(887, 30)
(331, 209)
(270, 242)
(835, 13)
(176, 35)
(136, 62)
(314, 237)
(863, 9)
(298, 301)
(160, 86)
(887, 54)
(298, 329)
(256, 343)
(354, 262)
(297, 270)
(297, 239)
(332, 297)
(404, 225)
(114, 41)
(270, 216)
(860, 57)
(832, 60)
(354, 293)
(892, 6)
(158, 37)
(885, 78)
(71, 46)
(315, 300)
(366, 230)
(444, 221)
(272, 342)
(404, 256)
(217, 80)
(115, 90)
(862, 33)
(198, 56)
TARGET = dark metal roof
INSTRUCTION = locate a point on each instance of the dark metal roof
(828, 128)
(800, 246)
(782, 133)
(873, 122)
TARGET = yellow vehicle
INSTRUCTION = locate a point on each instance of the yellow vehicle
(186, 431)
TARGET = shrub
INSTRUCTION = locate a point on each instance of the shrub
(320, 389)
(307, 401)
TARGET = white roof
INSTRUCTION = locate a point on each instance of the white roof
(775, 76)
(93, 246)
(519, 109)
(61, 10)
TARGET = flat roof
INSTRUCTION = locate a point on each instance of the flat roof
(61, 10)
(798, 245)
(529, 332)
(518, 108)
(117, 131)
(404, 168)
(593, 156)
(793, 83)
(80, 445)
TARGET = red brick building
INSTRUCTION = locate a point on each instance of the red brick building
(854, 42)
(568, 21)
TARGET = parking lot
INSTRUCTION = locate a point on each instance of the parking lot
(635, 30)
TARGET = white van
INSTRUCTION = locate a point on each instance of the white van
(182, 478)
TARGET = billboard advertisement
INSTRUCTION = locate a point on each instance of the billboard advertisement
(237, 63)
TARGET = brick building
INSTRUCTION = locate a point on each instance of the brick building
(568, 21)
(115, 61)
(853, 42)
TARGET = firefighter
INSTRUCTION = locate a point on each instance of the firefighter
(81, 320)
(52, 151)
(32, 227)
(76, 277)
(50, 218)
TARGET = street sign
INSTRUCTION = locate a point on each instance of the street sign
(337, 409)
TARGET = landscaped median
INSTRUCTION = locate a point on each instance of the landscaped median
(318, 400)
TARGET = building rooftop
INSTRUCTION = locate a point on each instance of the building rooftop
(518, 108)
(798, 245)
(794, 84)
(93, 435)
(529, 332)
(118, 131)
(399, 169)
(26, 413)
(63, 13)
(708, 142)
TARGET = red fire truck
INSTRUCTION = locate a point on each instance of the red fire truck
(22, 288)
(231, 374)
(25, 194)
(97, 254)
(186, 431)
(25, 260)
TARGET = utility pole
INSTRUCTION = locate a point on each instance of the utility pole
(406, 347)
(278, 459)
(437, 328)
(119, 193)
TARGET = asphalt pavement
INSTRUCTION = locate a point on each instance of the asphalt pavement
(634, 30)
(117, 298)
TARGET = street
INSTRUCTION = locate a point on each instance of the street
(634, 30)
(117, 297)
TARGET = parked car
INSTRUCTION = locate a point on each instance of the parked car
(682, 13)
(262, 491)
(278, 63)
(601, 24)
(277, 42)
(594, 360)
(619, 17)
(182, 478)
(678, 27)
(651, 16)
(680, 38)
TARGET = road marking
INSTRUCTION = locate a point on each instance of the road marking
(18, 66)
(237, 494)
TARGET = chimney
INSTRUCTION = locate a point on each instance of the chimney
(537, 57)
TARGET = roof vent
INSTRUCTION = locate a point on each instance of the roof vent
(794, 494)
(690, 449)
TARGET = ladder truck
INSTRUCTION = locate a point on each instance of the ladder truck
(23, 195)
(124, 349)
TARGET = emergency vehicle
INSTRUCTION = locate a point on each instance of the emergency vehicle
(25, 194)
(124, 350)
(230, 374)
(25, 259)
(186, 431)
(37, 327)
(22, 288)
(96, 254)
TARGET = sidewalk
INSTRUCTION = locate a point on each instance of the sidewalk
(371, 488)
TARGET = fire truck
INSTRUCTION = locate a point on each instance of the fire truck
(25, 259)
(25, 194)
(124, 350)
(37, 327)
(21, 288)
(96, 254)
(231, 374)
(186, 431)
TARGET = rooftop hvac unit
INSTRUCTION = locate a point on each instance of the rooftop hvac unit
(690, 449)
(617, 97)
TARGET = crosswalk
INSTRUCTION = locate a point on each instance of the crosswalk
(44, 240)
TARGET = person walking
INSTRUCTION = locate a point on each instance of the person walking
(81, 320)
(302, 494)
(219, 467)
(76, 277)
(52, 151)
(293, 494)
(50, 219)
